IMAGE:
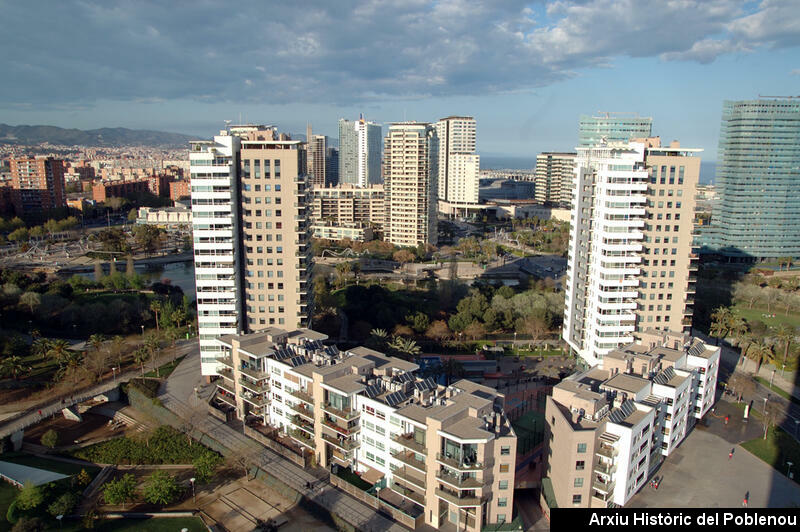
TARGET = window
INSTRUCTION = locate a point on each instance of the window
(505, 450)
(504, 468)
(578, 482)
(502, 502)
(501, 518)
(503, 485)
(581, 447)
(576, 499)
(580, 465)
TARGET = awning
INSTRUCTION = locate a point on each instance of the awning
(372, 476)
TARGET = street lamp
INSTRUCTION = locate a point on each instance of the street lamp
(142, 330)
(114, 372)
(194, 495)
(789, 469)
(59, 517)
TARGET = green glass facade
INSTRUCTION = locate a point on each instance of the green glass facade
(757, 212)
(613, 127)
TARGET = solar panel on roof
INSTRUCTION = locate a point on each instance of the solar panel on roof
(425, 385)
(297, 361)
(404, 377)
(394, 399)
(373, 390)
(697, 349)
(665, 376)
(624, 410)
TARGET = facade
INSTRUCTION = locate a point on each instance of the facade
(119, 189)
(167, 217)
(553, 178)
(317, 150)
(410, 184)
(630, 253)
(612, 127)
(331, 167)
(349, 204)
(757, 212)
(458, 166)
(610, 426)
(179, 189)
(356, 231)
(37, 185)
(441, 454)
(251, 229)
(505, 189)
(359, 152)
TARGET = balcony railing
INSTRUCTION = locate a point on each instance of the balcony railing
(254, 373)
(255, 388)
(603, 487)
(459, 481)
(228, 389)
(227, 399)
(417, 481)
(302, 411)
(344, 414)
(301, 437)
(303, 396)
(460, 464)
(345, 431)
(455, 497)
(608, 452)
(603, 497)
(605, 469)
(408, 441)
(344, 444)
(409, 459)
(303, 424)
(257, 400)
(409, 494)
(228, 361)
(226, 374)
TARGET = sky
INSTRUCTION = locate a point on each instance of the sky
(525, 70)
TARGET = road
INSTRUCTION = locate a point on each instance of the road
(178, 396)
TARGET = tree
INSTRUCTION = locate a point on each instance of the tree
(60, 351)
(152, 345)
(63, 505)
(378, 338)
(204, 466)
(133, 214)
(12, 366)
(405, 347)
(31, 300)
(50, 439)
(30, 496)
(475, 330)
(139, 357)
(155, 306)
(438, 331)
(242, 459)
(759, 352)
(160, 488)
(117, 344)
(772, 413)
(28, 524)
(741, 385)
(120, 491)
(403, 256)
(532, 325)
(785, 335)
(148, 237)
(40, 347)
(84, 478)
(19, 235)
(418, 321)
(98, 272)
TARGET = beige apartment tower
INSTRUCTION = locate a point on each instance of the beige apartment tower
(410, 184)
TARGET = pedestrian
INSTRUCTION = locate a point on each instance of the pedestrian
(726, 419)
(730, 454)
(744, 501)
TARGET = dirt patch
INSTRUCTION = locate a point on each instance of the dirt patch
(94, 427)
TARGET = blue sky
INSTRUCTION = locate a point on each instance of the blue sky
(525, 70)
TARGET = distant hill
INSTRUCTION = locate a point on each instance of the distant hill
(117, 136)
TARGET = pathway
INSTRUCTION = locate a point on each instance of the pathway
(179, 397)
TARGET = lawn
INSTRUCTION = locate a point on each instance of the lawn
(165, 370)
(757, 314)
(353, 479)
(776, 450)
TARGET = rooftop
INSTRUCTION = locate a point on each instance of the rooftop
(626, 383)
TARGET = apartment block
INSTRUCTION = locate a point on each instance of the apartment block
(119, 189)
(359, 152)
(438, 454)
(553, 178)
(612, 127)
(458, 166)
(631, 261)
(317, 150)
(349, 204)
(251, 230)
(610, 426)
(410, 152)
(37, 185)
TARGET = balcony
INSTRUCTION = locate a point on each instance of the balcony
(257, 400)
(603, 487)
(302, 411)
(302, 438)
(409, 494)
(254, 373)
(343, 414)
(227, 399)
(608, 452)
(341, 443)
(409, 476)
(602, 497)
(457, 499)
(605, 469)
(407, 440)
(459, 464)
(303, 424)
(303, 396)
(340, 458)
(344, 431)
(459, 481)
(226, 362)
(226, 388)
(255, 388)
(226, 374)
(409, 459)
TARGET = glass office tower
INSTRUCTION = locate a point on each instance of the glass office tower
(612, 127)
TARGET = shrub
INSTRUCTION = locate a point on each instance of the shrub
(50, 439)
(204, 466)
(161, 488)
(165, 446)
(30, 497)
(63, 505)
(28, 524)
(11, 513)
(84, 478)
(120, 491)
(148, 387)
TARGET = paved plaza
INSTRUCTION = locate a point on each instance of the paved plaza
(700, 474)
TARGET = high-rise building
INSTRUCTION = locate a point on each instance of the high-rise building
(757, 211)
(359, 152)
(446, 454)
(553, 178)
(251, 229)
(317, 151)
(612, 127)
(458, 166)
(410, 184)
(349, 204)
(608, 428)
(332, 167)
(630, 255)
(37, 185)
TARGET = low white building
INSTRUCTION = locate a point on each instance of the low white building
(167, 217)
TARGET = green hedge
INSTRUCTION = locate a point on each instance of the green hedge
(148, 387)
(164, 446)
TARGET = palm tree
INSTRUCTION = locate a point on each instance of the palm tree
(378, 338)
(759, 352)
(152, 346)
(405, 346)
(40, 347)
(737, 326)
(12, 366)
(744, 342)
(139, 357)
(155, 306)
(786, 336)
(96, 341)
(59, 351)
(116, 348)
